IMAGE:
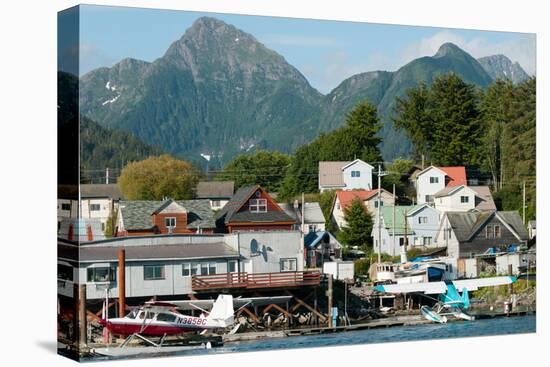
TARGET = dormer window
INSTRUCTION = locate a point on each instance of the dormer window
(170, 222)
(355, 173)
(258, 205)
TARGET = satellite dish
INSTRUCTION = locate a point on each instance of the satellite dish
(254, 246)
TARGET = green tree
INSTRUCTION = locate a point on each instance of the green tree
(110, 225)
(358, 228)
(443, 121)
(158, 177)
(356, 139)
(326, 202)
(398, 175)
(411, 114)
(262, 167)
(495, 108)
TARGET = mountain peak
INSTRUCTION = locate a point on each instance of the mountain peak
(448, 48)
(501, 67)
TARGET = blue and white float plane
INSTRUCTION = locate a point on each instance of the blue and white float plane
(450, 302)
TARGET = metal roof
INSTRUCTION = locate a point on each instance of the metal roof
(312, 212)
(399, 226)
(330, 173)
(157, 252)
(100, 191)
(484, 198)
(136, 214)
(215, 189)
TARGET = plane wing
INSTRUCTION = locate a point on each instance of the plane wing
(206, 304)
(475, 284)
(426, 288)
(441, 287)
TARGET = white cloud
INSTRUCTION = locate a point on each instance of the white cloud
(521, 48)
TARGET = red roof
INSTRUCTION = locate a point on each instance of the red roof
(346, 197)
(456, 175)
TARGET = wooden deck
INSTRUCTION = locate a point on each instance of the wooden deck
(256, 281)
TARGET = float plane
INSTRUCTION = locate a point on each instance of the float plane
(450, 302)
(162, 318)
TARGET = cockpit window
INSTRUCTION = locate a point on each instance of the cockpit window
(166, 317)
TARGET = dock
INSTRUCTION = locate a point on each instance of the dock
(408, 320)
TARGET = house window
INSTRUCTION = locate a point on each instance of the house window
(497, 232)
(434, 180)
(232, 266)
(212, 268)
(429, 198)
(64, 272)
(288, 264)
(216, 203)
(185, 270)
(338, 206)
(65, 206)
(95, 207)
(170, 222)
(312, 228)
(258, 205)
(355, 173)
(204, 268)
(376, 204)
(194, 269)
(101, 274)
(489, 232)
(447, 234)
(426, 241)
(464, 199)
(153, 272)
(422, 220)
(401, 241)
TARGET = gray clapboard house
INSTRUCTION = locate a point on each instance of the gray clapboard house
(467, 234)
(164, 265)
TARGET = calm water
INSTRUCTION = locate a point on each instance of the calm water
(497, 326)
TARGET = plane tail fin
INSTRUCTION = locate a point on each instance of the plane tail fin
(465, 298)
(222, 311)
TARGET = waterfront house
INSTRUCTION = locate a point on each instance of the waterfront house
(218, 192)
(368, 197)
(433, 179)
(321, 247)
(146, 217)
(253, 209)
(422, 222)
(464, 198)
(314, 220)
(176, 265)
(345, 175)
(97, 201)
(466, 234)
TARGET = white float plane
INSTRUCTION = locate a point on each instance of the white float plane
(450, 302)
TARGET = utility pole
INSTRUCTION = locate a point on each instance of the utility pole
(523, 207)
(393, 220)
(380, 174)
(405, 240)
(107, 175)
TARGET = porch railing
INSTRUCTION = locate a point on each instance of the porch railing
(256, 280)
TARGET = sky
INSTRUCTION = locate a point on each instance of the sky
(325, 52)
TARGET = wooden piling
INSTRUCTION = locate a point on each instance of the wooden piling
(121, 282)
(76, 303)
(329, 294)
(511, 285)
(83, 327)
